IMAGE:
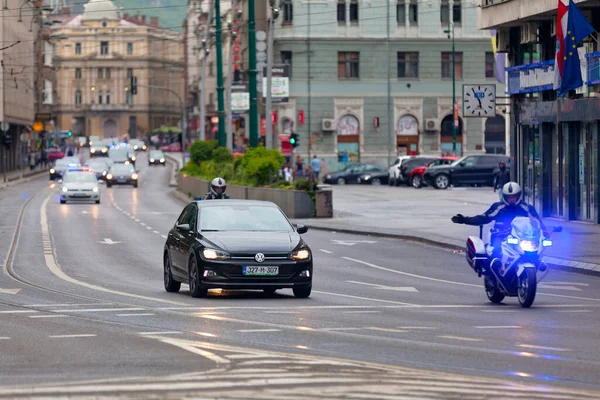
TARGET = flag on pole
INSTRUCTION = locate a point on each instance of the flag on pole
(572, 32)
(499, 59)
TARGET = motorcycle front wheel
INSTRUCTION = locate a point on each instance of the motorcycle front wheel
(527, 287)
(492, 291)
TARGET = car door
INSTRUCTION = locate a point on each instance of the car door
(177, 236)
(486, 167)
(465, 172)
(354, 173)
(188, 238)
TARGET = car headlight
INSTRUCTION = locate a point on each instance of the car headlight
(152, 160)
(104, 173)
(162, 160)
(92, 150)
(134, 176)
(302, 254)
(52, 170)
(366, 178)
(528, 245)
(212, 254)
(328, 176)
(127, 162)
(65, 190)
(144, 147)
(104, 150)
(109, 176)
(133, 158)
(95, 190)
(135, 147)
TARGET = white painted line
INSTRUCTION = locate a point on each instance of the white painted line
(499, 327)
(258, 330)
(282, 312)
(326, 251)
(531, 346)
(338, 329)
(103, 309)
(134, 315)
(4, 338)
(461, 338)
(155, 232)
(163, 236)
(374, 328)
(71, 336)
(68, 305)
(395, 288)
(17, 312)
(499, 310)
(137, 220)
(362, 312)
(160, 333)
(365, 298)
(574, 311)
(196, 350)
(133, 217)
(149, 228)
(416, 327)
(49, 316)
(142, 224)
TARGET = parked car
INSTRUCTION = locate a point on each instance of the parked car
(409, 165)
(53, 154)
(375, 178)
(468, 170)
(394, 170)
(350, 173)
(416, 176)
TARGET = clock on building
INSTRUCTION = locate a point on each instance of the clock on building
(479, 100)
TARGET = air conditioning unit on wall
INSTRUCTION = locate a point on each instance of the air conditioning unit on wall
(328, 125)
(431, 125)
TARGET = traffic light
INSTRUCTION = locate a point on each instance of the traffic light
(133, 85)
(69, 133)
(294, 140)
(7, 140)
(262, 141)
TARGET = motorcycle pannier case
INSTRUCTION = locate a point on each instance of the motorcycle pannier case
(476, 254)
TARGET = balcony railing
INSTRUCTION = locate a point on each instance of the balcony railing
(488, 3)
(593, 68)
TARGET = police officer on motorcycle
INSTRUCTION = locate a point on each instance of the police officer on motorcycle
(503, 213)
(217, 190)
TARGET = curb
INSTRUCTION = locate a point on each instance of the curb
(25, 179)
(563, 265)
(174, 170)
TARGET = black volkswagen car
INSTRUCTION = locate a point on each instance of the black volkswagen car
(236, 244)
(122, 174)
(468, 170)
(351, 173)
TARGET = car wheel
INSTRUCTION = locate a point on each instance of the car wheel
(164, 165)
(376, 182)
(390, 181)
(302, 292)
(135, 185)
(416, 182)
(108, 185)
(194, 280)
(171, 285)
(63, 201)
(97, 201)
(442, 181)
(269, 291)
(341, 181)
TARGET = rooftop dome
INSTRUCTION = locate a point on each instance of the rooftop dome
(99, 10)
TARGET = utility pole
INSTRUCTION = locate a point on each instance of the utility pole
(253, 128)
(389, 87)
(229, 114)
(450, 33)
(308, 78)
(220, 88)
(205, 52)
(269, 105)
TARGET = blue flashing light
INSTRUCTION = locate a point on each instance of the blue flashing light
(512, 240)
(198, 198)
(547, 243)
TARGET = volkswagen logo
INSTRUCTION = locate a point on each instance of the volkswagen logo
(259, 257)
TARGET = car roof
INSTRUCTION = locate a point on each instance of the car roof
(213, 203)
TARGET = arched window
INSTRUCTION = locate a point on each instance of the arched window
(407, 126)
(348, 126)
(78, 96)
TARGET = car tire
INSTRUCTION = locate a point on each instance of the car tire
(376, 182)
(396, 182)
(63, 201)
(442, 181)
(194, 280)
(270, 291)
(108, 185)
(302, 292)
(97, 201)
(416, 182)
(341, 181)
(390, 181)
(135, 185)
(171, 285)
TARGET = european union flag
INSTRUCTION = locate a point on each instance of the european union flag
(578, 28)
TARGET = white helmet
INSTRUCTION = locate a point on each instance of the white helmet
(511, 194)
(218, 187)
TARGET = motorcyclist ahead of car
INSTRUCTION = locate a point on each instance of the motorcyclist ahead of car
(503, 213)
(217, 190)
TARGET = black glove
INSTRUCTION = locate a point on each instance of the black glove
(458, 219)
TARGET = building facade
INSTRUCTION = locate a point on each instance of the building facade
(100, 50)
(554, 141)
(342, 46)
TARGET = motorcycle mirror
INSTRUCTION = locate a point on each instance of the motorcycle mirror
(558, 229)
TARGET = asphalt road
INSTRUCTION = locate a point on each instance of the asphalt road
(83, 311)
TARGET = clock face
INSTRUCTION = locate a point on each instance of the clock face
(348, 125)
(479, 100)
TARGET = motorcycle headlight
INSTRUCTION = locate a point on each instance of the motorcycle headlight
(212, 254)
(547, 243)
(135, 147)
(134, 176)
(104, 173)
(95, 190)
(301, 254)
(65, 190)
(528, 245)
(52, 170)
(144, 148)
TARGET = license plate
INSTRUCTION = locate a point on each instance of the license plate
(79, 194)
(260, 271)
(121, 180)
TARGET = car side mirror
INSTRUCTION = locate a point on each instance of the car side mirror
(184, 227)
(301, 229)
(463, 164)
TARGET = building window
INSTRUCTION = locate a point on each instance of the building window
(354, 11)
(211, 71)
(77, 48)
(413, 12)
(348, 65)
(100, 73)
(104, 48)
(210, 98)
(130, 48)
(341, 11)
(108, 97)
(286, 59)
(458, 65)
(129, 73)
(490, 62)
(288, 12)
(100, 97)
(78, 96)
(107, 73)
(408, 65)
(456, 12)
(77, 73)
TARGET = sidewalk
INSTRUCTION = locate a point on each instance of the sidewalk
(424, 215)
(20, 176)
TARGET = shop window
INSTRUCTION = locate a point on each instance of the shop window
(348, 65)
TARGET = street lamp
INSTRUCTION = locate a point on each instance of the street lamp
(450, 33)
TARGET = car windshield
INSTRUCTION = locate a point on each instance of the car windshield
(100, 165)
(118, 154)
(156, 154)
(107, 142)
(455, 163)
(64, 162)
(244, 218)
(72, 177)
(122, 169)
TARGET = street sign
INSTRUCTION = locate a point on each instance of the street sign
(4, 126)
(280, 83)
(240, 97)
(43, 117)
(24, 137)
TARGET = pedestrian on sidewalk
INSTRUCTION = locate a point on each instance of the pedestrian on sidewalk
(501, 178)
(32, 161)
(44, 160)
(299, 167)
(315, 164)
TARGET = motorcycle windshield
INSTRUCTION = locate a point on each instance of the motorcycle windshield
(527, 229)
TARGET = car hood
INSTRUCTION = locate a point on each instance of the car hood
(80, 185)
(253, 242)
(337, 173)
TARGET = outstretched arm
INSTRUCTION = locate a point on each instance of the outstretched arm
(482, 219)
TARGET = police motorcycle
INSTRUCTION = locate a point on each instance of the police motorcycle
(516, 274)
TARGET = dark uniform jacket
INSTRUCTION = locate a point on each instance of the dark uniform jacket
(211, 196)
(503, 215)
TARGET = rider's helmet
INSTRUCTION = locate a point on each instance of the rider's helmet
(218, 187)
(511, 194)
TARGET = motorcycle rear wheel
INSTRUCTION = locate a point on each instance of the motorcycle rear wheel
(491, 290)
(527, 287)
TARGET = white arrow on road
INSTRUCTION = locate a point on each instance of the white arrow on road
(85, 212)
(351, 242)
(10, 291)
(395, 288)
(109, 241)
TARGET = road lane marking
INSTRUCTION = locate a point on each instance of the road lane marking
(71, 336)
(134, 315)
(163, 236)
(142, 224)
(149, 228)
(338, 329)
(58, 272)
(499, 310)
(17, 312)
(155, 232)
(136, 220)
(326, 251)
(4, 338)
(258, 330)
(365, 298)
(374, 328)
(362, 312)
(461, 338)
(499, 327)
(186, 345)
(416, 327)
(68, 305)
(573, 311)
(531, 346)
(49, 316)
(160, 333)
(104, 309)
(282, 312)
(382, 287)
(10, 291)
